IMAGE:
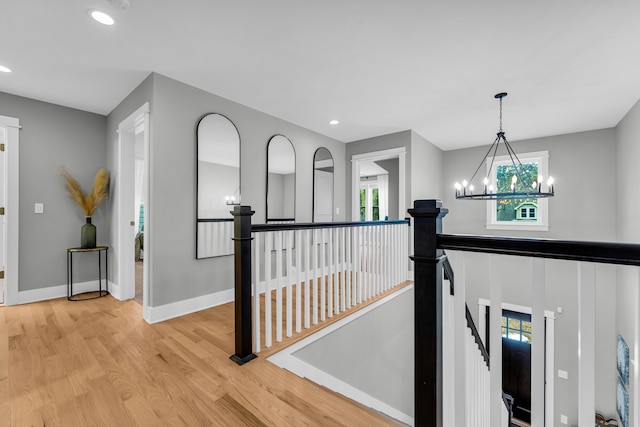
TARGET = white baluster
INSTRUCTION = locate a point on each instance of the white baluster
(537, 343)
(289, 277)
(495, 335)
(315, 276)
(459, 332)
(268, 320)
(323, 275)
(586, 342)
(307, 281)
(343, 270)
(329, 247)
(298, 248)
(278, 235)
(357, 257)
(349, 271)
(255, 279)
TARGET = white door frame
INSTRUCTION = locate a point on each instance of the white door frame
(549, 348)
(12, 214)
(392, 153)
(125, 193)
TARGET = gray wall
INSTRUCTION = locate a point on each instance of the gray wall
(379, 143)
(175, 109)
(381, 341)
(426, 169)
(628, 228)
(576, 161)
(53, 136)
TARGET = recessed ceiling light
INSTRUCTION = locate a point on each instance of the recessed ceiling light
(333, 122)
(5, 69)
(102, 17)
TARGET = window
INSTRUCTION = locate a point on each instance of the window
(516, 329)
(508, 214)
(370, 207)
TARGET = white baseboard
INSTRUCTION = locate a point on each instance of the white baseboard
(180, 308)
(115, 291)
(52, 292)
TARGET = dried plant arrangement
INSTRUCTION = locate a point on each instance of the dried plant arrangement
(88, 202)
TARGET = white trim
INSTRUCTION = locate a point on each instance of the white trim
(542, 220)
(286, 360)
(514, 307)
(125, 274)
(391, 153)
(60, 291)
(12, 214)
(188, 306)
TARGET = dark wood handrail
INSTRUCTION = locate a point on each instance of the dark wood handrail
(572, 250)
(476, 336)
(258, 228)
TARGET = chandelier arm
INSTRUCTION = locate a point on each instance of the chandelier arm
(493, 159)
(520, 170)
(483, 161)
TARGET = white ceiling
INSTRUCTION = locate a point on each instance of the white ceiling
(378, 66)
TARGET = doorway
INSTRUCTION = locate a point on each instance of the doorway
(516, 361)
(9, 218)
(520, 353)
(396, 204)
(133, 220)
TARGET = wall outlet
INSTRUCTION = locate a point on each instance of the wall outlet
(559, 310)
(563, 374)
(39, 208)
(337, 211)
(564, 419)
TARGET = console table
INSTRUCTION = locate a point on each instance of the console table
(99, 250)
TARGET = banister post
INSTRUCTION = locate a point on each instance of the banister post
(428, 261)
(242, 244)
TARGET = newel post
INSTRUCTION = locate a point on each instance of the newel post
(242, 245)
(428, 259)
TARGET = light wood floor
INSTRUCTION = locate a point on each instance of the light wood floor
(97, 363)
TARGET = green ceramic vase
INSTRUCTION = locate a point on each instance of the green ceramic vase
(88, 235)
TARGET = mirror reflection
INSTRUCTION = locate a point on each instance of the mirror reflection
(281, 180)
(218, 171)
(322, 186)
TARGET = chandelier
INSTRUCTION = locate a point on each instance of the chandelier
(524, 185)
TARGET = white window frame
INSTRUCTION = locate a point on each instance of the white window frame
(541, 222)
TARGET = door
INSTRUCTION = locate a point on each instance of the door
(3, 226)
(516, 361)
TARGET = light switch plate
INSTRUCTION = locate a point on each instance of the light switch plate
(564, 419)
(39, 208)
(563, 374)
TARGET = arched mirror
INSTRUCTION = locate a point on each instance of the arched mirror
(322, 186)
(281, 180)
(218, 169)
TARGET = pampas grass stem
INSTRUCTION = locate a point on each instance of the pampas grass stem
(88, 202)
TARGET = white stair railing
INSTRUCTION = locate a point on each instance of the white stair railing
(304, 274)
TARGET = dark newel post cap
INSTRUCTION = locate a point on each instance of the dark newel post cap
(242, 211)
(431, 207)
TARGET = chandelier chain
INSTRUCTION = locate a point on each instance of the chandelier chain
(501, 114)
